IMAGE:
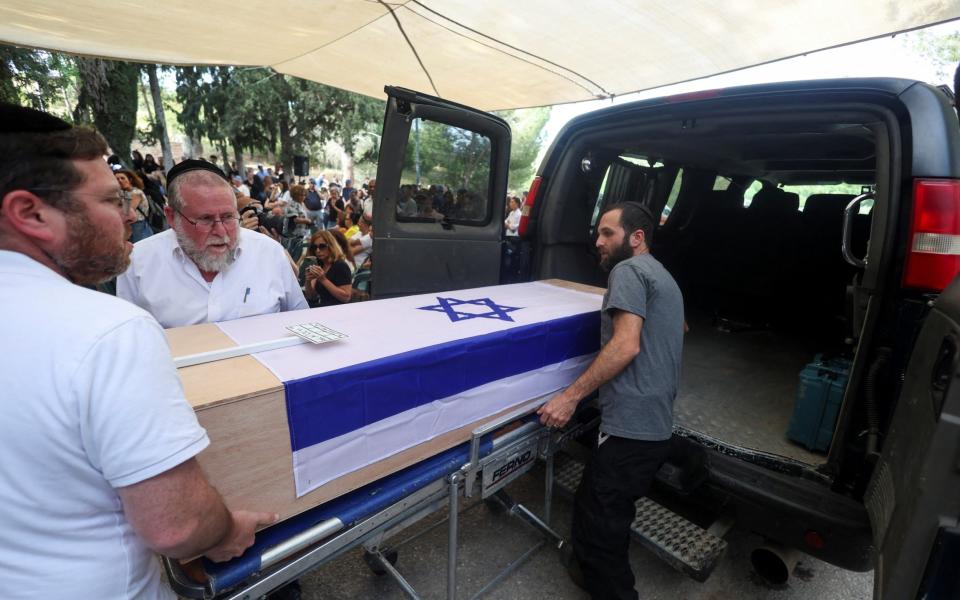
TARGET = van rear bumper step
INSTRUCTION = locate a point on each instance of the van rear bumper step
(682, 544)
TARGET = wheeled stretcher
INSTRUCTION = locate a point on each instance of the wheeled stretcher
(497, 453)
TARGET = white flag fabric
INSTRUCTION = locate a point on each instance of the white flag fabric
(416, 367)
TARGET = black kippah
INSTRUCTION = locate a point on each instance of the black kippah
(193, 164)
(20, 119)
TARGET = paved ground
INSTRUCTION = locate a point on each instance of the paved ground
(490, 541)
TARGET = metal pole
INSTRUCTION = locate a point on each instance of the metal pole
(452, 539)
(416, 147)
(393, 572)
(548, 491)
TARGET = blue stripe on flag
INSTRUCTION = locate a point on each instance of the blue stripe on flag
(325, 406)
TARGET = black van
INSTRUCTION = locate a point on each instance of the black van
(806, 221)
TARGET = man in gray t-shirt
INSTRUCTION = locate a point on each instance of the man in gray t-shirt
(637, 372)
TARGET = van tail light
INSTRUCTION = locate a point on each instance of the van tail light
(527, 208)
(934, 255)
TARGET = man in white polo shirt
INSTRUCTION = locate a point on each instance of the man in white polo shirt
(96, 437)
(206, 268)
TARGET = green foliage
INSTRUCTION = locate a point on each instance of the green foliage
(942, 50)
(258, 109)
(458, 158)
(450, 156)
(108, 99)
(527, 126)
(36, 78)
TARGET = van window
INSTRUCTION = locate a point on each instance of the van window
(721, 183)
(672, 199)
(849, 189)
(631, 178)
(446, 175)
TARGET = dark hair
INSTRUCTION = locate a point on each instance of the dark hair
(43, 162)
(634, 216)
(132, 177)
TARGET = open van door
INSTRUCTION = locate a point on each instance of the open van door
(441, 189)
(914, 495)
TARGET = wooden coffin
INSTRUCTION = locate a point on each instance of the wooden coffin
(241, 405)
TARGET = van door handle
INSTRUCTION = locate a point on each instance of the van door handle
(845, 245)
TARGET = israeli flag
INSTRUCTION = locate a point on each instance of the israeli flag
(416, 367)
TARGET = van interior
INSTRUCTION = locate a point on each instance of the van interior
(751, 209)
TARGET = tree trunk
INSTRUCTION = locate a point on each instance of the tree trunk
(109, 92)
(161, 119)
(348, 164)
(196, 147)
(287, 144)
(238, 158)
(222, 147)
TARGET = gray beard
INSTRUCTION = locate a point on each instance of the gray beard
(204, 262)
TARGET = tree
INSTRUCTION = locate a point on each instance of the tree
(160, 120)
(447, 155)
(360, 116)
(943, 51)
(108, 99)
(38, 79)
(458, 158)
(527, 126)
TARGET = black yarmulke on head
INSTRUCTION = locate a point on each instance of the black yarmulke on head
(20, 119)
(193, 164)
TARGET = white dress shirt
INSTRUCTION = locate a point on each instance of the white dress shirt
(164, 281)
(91, 402)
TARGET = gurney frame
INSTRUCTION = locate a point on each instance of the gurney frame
(513, 453)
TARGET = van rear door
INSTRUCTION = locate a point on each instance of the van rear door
(914, 495)
(441, 190)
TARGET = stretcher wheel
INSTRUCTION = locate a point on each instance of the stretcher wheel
(375, 566)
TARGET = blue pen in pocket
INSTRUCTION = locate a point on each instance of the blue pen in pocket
(245, 294)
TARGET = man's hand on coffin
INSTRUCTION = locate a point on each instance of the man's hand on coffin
(613, 358)
(557, 412)
(178, 513)
(241, 534)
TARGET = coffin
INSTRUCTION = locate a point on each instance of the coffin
(293, 428)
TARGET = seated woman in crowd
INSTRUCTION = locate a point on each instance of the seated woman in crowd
(326, 279)
(132, 189)
(345, 247)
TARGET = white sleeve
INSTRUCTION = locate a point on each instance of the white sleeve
(366, 242)
(135, 422)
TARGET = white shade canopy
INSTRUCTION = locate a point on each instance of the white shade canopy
(490, 54)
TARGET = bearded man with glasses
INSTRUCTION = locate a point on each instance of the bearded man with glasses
(206, 268)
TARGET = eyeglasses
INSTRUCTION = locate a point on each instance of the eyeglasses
(118, 198)
(320, 246)
(206, 223)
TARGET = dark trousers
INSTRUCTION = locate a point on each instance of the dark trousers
(619, 472)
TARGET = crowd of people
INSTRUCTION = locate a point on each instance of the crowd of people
(294, 213)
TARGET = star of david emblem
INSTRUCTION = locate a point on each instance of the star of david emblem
(490, 309)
